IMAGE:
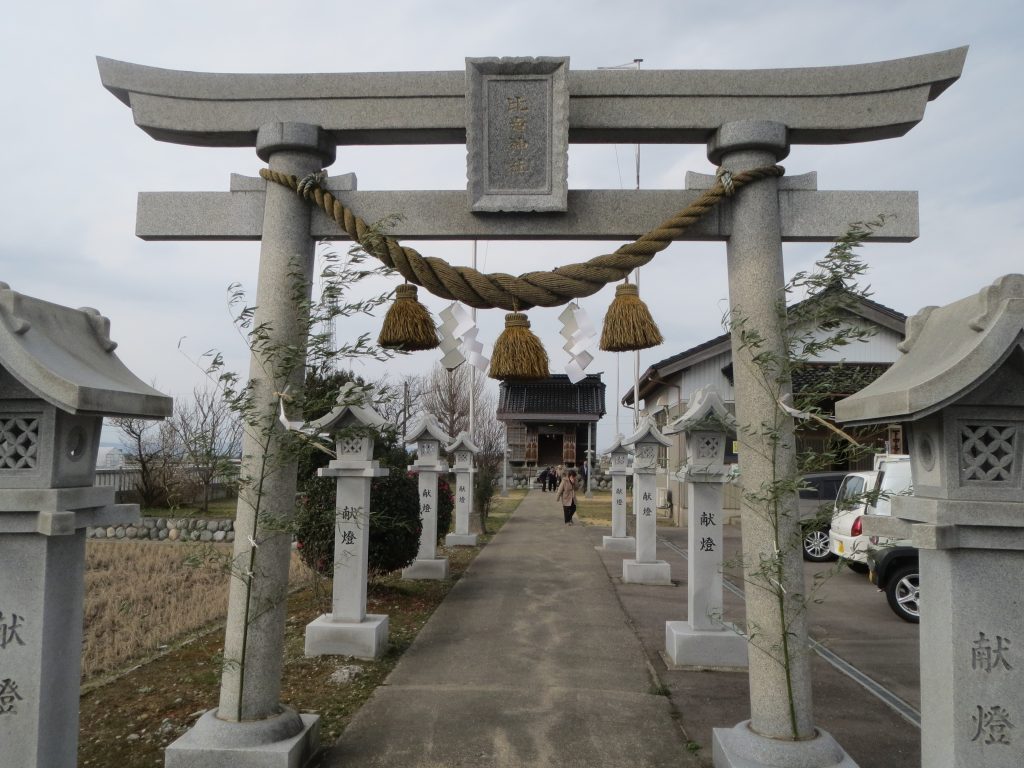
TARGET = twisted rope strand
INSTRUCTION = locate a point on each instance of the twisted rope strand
(531, 289)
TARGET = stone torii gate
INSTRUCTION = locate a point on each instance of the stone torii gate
(747, 119)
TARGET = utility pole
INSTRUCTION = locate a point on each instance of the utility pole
(405, 409)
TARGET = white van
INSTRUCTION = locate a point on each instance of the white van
(866, 493)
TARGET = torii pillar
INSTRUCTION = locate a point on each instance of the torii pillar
(752, 116)
(254, 637)
(778, 723)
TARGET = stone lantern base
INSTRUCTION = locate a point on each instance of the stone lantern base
(618, 544)
(722, 648)
(658, 573)
(740, 747)
(366, 639)
(427, 569)
(285, 741)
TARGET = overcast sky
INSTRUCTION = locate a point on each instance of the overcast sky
(75, 161)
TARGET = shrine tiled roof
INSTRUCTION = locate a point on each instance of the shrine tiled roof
(829, 380)
(835, 379)
(552, 398)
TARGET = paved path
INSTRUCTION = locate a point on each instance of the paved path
(541, 656)
(529, 661)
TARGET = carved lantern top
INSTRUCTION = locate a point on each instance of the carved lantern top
(706, 413)
(960, 382)
(645, 443)
(66, 357)
(58, 377)
(352, 423)
(616, 447)
(427, 428)
(948, 352)
(464, 450)
(428, 437)
(462, 443)
(707, 424)
(619, 455)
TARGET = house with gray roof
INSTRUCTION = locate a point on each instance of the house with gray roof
(666, 387)
(549, 421)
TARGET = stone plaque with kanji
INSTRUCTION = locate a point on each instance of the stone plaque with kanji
(517, 133)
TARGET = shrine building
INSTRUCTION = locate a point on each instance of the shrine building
(550, 421)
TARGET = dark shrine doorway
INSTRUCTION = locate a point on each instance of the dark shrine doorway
(549, 449)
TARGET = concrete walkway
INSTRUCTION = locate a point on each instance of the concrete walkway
(541, 656)
(530, 660)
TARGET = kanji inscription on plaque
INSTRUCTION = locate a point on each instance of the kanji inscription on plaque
(517, 133)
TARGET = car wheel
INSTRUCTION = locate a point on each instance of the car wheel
(815, 545)
(855, 566)
(904, 594)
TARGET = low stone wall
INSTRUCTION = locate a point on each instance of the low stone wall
(169, 529)
(597, 482)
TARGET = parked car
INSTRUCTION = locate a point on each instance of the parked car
(816, 503)
(866, 493)
(895, 571)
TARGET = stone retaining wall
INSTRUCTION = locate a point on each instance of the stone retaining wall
(169, 529)
(597, 482)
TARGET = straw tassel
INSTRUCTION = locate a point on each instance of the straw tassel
(628, 324)
(518, 353)
(408, 325)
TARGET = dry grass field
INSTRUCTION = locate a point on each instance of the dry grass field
(598, 510)
(142, 596)
(128, 719)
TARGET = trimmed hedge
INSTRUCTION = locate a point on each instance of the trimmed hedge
(395, 523)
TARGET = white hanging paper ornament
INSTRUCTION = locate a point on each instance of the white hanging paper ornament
(580, 334)
(464, 319)
(458, 339)
(473, 350)
(452, 358)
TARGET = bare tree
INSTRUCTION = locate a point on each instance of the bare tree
(209, 434)
(152, 448)
(447, 396)
(489, 433)
(407, 401)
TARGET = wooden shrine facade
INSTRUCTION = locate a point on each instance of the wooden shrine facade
(550, 421)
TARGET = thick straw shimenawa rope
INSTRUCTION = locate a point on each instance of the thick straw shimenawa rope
(531, 289)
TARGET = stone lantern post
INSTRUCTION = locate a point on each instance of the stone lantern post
(960, 386)
(428, 437)
(348, 630)
(619, 541)
(646, 568)
(464, 451)
(58, 378)
(703, 640)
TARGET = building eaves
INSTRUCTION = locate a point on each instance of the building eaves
(862, 307)
(554, 398)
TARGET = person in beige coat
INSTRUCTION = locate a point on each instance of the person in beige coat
(566, 495)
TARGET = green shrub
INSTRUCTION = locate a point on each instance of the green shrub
(395, 523)
(483, 492)
(445, 508)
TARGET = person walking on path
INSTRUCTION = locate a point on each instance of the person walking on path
(566, 495)
(554, 475)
